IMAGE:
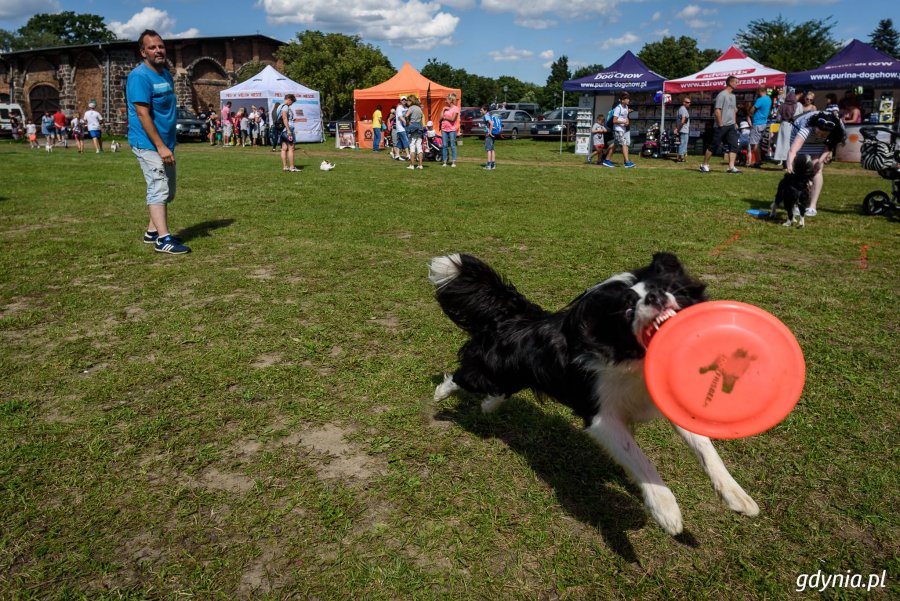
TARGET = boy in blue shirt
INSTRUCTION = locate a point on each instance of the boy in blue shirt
(150, 94)
(488, 139)
(760, 123)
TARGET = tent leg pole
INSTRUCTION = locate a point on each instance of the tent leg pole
(562, 114)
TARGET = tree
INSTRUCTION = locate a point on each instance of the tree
(334, 64)
(559, 72)
(62, 29)
(476, 89)
(885, 38)
(787, 47)
(674, 58)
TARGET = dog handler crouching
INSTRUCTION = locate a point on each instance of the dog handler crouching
(150, 95)
(816, 134)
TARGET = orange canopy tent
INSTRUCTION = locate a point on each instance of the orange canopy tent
(407, 81)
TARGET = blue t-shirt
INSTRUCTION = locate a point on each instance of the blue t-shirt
(762, 108)
(156, 90)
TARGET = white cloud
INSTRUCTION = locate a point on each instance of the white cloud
(562, 9)
(662, 32)
(656, 16)
(625, 40)
(410, 24)
(536, 23)
(700, 24)
(688, 12)
(510, 54)
(779, 2)
(547, 54)
(14, 9)
(150, 18)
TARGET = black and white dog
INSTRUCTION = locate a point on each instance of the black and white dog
(588, 356)
(793, 191)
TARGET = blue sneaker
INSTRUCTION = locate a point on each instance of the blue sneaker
(150, 237)
(608, 163)
(629, 164)
(169, 244)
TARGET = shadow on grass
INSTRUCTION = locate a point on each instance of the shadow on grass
(202, 230)
(567, 460)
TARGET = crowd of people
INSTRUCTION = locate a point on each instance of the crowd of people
(243, 127)
(57, 127)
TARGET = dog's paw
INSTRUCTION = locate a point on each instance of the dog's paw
(492, 403)
(445, 388)
(738, 500)
(801, 223)
(664, 508)
(788, 223)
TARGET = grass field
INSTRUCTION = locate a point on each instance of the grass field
(253, 420)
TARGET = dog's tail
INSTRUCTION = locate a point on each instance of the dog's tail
(474, 296)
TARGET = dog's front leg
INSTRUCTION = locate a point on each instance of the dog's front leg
(723, 483)
(613, 435)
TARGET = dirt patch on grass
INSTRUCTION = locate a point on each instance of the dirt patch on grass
(390, 322)
(339, 459)
(266, 360)
(267, 573)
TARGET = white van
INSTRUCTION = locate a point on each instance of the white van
(7, 111)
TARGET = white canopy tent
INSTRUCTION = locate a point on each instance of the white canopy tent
(268, 87)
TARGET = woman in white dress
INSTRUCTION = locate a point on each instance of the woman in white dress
(789, 110)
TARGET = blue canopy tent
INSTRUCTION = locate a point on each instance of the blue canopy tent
(627, 74)
(857, 64)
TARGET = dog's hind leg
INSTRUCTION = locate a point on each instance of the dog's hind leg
(722, 481)
(613, 434)
(492, 403)
(445, 388)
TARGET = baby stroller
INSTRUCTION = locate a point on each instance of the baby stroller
(432, 147)
(883, 157)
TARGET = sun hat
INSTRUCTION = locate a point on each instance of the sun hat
(429, 124)
(403, 98)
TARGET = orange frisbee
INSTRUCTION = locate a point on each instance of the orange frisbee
(724, 369)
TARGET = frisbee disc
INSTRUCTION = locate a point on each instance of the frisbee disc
(724, 369)
(758, 212)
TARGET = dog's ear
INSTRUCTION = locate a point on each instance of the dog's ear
(664, 262)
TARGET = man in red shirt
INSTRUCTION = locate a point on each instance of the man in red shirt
(59, 123)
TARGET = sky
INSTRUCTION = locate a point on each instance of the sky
(484, 37)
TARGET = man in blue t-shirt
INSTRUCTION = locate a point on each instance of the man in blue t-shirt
(760, 112)
(150, 94)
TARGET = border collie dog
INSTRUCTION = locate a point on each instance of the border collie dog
(793, 192)
(588, 356)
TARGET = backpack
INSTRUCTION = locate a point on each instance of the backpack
(496, 125)
(609, 118)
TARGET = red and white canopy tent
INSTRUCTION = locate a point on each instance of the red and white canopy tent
(750, 75)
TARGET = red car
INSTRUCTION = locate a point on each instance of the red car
(470, 121)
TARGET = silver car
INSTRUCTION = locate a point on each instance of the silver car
(515, 123)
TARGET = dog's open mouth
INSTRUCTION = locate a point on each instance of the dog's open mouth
(653, 327)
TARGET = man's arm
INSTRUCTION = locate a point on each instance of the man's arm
(143, 113)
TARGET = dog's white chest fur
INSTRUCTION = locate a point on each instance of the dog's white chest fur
(622, 391)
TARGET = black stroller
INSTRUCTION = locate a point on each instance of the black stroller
(432, 147)
(883, 157)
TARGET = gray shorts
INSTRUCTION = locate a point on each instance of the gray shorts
(159, 176)
(756, 133)
(623, 138)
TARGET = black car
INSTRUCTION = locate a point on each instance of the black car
(551, 126)
(331, 126)
(188, 126)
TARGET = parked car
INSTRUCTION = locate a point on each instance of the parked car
(529, 107)
(188, 126)
(561, 120)
(470, 121)
(515, 123)
(331, 126)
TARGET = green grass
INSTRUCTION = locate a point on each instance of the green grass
(253, 420)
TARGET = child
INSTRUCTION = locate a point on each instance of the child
(212, 125)
(488, 139)
(78, 133)
(31, 132)
(598, 138)
(245, 129)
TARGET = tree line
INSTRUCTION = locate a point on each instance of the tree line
(335, 64)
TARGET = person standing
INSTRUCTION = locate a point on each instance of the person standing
(226, 124)
(488, 138)
(47, 128)
(759, 123)
(725, 133)
(787, 112)
(817, 135)
(59, 127)
(598, 139)
(377, 126)
(415, 130)
(683, 126)
(449, 125)
(621, 132)
(275, 129)
(78, 133)
(286, 119)
(808, 102)
(400, 127)
(152, 116)
(94, 122)
(31, 132)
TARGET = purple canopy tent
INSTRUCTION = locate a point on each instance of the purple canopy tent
(628, 73)
(857, 64)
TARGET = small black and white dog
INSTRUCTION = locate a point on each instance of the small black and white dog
(588, 356)
(793, 191)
